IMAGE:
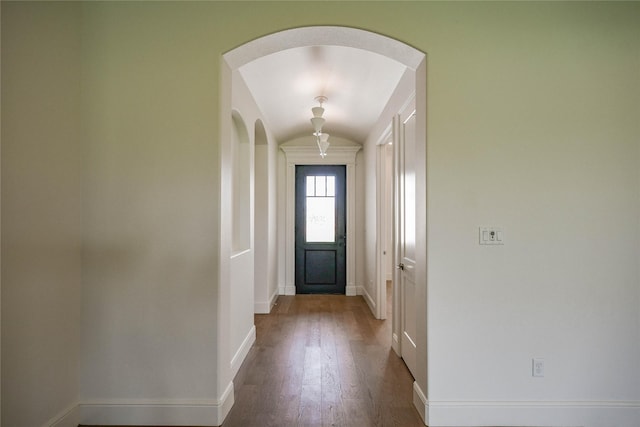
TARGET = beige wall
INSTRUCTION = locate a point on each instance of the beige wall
(150, 205)
(41, 212)
(532, 126)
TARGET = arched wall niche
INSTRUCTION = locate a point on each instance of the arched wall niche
(240, 238)
(260, 133)
(262, 218)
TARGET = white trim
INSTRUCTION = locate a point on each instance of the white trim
(242, 352)
(68, 417)
(537, 403)
(382, 218)
(262, 307)
(367, 297)
(395, 344)
(321, 36)
(223, 372)
(443, 413)
(274, 298)
(239, 253)
(420, 402)
(265, 307)
(307, 154)
(224, 404)
(203, 412)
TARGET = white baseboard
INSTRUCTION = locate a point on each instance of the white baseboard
(395, 345)
(68, 417)
(290, 290)
(350, 290)
(264, 307)
(420, 402)
(261, 307)
(242, 352)
(369, 300)
(272, 301)
(154, 412)
(533, 413)
(225, 403)
(160, 412)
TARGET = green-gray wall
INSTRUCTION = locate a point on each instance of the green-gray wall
(41, 211)
(110, 129)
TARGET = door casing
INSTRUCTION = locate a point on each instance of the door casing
(330, 257)
(405, 234)
(308, 155)
(383, 216)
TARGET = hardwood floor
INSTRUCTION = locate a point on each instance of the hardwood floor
(322, 360)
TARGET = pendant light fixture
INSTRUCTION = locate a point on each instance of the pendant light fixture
(322, 139)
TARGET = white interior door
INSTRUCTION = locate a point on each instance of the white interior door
(405, 225)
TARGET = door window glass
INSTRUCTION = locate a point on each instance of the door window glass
(321, 209)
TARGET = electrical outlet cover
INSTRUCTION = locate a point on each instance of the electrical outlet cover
(537, 367)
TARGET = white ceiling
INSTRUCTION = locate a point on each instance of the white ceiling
(357, 83)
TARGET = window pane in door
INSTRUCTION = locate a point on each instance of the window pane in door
(320, 186)
(331, 186)
(311, 185)
(321, 218)
(321, 209)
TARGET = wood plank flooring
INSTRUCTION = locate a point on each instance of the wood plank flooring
(319, 361)
(322, 360)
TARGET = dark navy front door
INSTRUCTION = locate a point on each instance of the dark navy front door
(320, 229)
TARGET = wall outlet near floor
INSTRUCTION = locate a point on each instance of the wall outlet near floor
(537, 367)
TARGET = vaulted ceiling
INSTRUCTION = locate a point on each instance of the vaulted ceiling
(357, 83)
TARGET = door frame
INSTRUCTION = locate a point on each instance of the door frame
(305, 248)
(382, 218)
(415, 61)
(399, 154)
(308, 155)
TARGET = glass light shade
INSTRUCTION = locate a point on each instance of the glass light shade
(317, 123)
(317, 111)
(322, 139)
(323, 143)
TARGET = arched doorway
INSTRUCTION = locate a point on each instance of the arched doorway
(415, 61)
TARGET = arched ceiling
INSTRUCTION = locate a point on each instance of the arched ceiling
(358, 84)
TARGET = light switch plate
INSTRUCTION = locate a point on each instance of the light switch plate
(491, 236)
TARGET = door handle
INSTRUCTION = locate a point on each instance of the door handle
(401, 266)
